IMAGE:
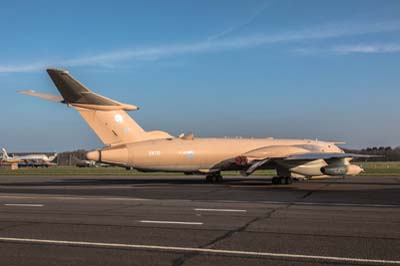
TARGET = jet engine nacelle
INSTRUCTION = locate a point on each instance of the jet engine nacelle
(112, 155)
(336, 170)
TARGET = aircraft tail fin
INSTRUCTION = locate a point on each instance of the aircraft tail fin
(4, 154)
(53, 157)
(107, 117)
(112, 127)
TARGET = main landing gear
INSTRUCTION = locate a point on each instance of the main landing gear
(214, 178)
(282, 180)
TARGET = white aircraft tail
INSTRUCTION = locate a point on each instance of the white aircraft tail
(107, 118)
(4, 154)
(53, 157)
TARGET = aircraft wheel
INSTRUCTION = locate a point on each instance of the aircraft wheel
(288, 180)
(214, 178)
(211, 179)
(277, 180)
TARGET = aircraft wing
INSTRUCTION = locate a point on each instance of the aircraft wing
(13, 161)
(276, 151)
(325, 156)
(259, 157)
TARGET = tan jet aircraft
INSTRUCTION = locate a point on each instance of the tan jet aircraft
(128, 145)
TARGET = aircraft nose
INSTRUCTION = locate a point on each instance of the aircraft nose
(93, 155)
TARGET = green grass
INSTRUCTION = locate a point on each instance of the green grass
(371, 168)
(98, 171)
(75, 171)
(380, 168)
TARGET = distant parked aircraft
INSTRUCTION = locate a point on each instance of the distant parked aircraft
(90, 163)
(85, 163)
(29, 159)
(130, 146)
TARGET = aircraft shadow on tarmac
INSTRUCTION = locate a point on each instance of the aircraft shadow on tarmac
(250, 182)
(196, 189)
(138, 181)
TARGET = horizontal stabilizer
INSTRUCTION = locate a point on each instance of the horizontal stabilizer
(50, 97)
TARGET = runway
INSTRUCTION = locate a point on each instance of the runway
(61, 220)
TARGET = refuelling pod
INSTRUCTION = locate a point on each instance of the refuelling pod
(335, 170)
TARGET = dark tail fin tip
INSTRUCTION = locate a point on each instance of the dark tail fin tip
(57, 70)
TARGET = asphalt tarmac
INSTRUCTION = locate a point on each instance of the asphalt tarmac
(60, 220)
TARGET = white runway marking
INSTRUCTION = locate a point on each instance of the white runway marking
(74, 198)
(23, 205)
(200, 250)
(314, 203)
(372, 205)
(218, 210)
(346, 204)
(169, 222)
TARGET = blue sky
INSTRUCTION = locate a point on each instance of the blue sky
(291, 69)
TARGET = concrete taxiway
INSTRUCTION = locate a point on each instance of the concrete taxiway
(86, 220)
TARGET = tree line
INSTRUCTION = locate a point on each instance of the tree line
(384, 153)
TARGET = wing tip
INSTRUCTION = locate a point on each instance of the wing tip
(25, 91)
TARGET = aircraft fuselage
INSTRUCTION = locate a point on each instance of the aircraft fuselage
(195, 155)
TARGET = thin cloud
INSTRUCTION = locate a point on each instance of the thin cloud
(241, 25)
(223, 44)
(351, 49)
(367, 48)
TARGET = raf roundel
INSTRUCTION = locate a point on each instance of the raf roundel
(118, 118)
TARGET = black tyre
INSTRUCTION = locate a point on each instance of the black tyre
(288, 180)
